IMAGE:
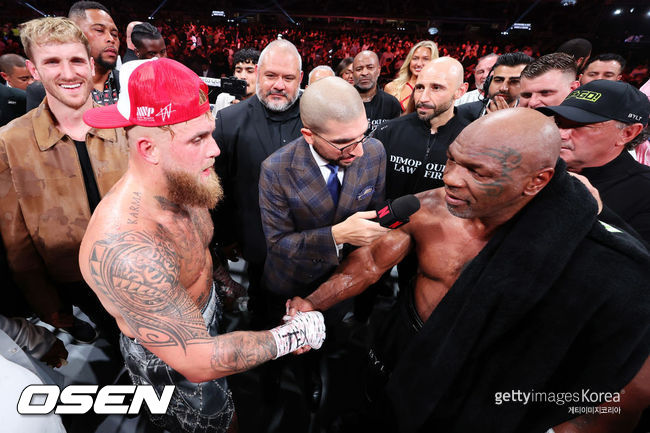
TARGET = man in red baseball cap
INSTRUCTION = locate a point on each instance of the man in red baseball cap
(146, 256)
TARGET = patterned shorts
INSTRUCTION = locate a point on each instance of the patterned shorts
(195, 407)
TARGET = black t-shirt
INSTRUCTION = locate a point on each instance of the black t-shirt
(624, 187)
(415, 158)
(381, 108)
(89, 176)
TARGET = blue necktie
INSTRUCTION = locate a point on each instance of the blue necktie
(333, 184)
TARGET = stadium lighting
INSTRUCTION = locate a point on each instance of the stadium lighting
(433, 31)
(618, 11)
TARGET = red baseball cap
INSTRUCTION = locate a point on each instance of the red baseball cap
(153, 92)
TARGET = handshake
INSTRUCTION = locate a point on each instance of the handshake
(303, 329)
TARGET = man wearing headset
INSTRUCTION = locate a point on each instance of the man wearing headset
(501, 87)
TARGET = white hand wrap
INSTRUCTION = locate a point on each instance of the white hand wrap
(304, 329)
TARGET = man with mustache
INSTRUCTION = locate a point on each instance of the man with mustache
(416, 143)
(95, 21)
(146, 252)
(247, 134)
(380, 106)
(503, 89)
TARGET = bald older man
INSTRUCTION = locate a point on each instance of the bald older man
(416, 143)
(380, 106)
(521, 293)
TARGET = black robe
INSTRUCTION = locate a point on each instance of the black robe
(556, 302)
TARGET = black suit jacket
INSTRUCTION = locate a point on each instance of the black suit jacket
(245, 137)
(12, 104)
(471, 110)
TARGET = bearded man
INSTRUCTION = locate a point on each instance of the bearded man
(146, 255)
(416, 143)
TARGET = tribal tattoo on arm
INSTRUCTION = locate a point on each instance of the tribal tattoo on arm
(138, 272)
(240, 351)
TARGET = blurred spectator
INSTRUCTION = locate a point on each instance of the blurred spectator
(402, 87)
(148, 42)
(344, 70)
(607, 66)
(14, 71)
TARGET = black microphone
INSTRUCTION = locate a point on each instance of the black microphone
(396, 213)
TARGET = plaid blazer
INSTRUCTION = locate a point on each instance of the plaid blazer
(298, 212)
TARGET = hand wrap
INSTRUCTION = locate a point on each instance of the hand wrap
(304, 329)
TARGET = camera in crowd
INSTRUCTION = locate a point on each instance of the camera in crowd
(231, 85)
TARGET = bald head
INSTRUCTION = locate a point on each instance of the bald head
(129, 30)
(447, 68)
(531, 134)
(280, 48)
(365, 71)
(331, 99)
(499, 163)
(438, 85)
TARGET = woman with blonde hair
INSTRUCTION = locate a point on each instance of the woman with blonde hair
(402, 86)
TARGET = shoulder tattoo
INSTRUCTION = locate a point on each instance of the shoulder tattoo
(138, 271)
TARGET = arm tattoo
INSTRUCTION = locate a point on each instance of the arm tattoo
(138, 272)
(240, 351)
(509, 160)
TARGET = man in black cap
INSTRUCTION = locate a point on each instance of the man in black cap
(600, 123)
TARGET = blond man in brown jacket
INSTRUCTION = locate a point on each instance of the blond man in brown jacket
(54, 169)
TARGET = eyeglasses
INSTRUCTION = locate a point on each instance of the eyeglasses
(351, 146)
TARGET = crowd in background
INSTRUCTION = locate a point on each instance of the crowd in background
(212, 47)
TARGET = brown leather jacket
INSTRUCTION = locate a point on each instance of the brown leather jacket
(44, 207)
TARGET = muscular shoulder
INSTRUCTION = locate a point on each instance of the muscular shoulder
(432, 206)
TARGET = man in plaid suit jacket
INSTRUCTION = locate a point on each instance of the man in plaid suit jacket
(305, 230)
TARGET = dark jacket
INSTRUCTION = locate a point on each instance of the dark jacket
(415, 158)
(12, 104)
(298, 213)
(247, 134)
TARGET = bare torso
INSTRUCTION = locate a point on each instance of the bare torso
(129, 209)
(444, 245)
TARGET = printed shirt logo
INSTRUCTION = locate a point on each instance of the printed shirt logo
(144, 111)
(165, 112)
(585, 95)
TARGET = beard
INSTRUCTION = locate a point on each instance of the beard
(185, 189)
(277, 106)
(108, 66)
(437, 110)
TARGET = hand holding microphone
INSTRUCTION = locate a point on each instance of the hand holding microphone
(396, 213)
(363, 228)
